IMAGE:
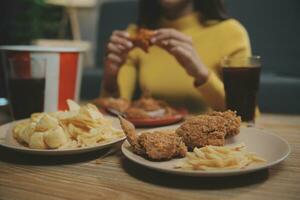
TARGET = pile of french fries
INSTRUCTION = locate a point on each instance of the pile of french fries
(216, 158)
(78, 127)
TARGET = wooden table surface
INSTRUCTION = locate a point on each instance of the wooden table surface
(100, 175)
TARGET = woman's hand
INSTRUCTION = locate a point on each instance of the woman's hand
(181, 47)
(117, 49)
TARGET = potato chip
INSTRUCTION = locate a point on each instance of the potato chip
(80, 126)
(46, 122)
(55, 138)
(72, 105)
(36, 141)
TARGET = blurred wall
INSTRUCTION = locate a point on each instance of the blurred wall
(88, 20)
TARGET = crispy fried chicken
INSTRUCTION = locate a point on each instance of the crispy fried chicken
(232, 124)
(158, 145)
(142, 39)
(209, 129)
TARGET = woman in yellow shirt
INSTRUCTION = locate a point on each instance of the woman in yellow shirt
(183, 65)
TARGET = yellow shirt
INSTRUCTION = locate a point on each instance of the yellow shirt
(159, 73)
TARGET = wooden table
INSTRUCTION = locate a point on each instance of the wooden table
(100, 175)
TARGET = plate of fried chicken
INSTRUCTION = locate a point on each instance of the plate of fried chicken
(163, 148)
(143, 112)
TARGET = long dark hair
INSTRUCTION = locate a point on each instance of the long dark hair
(150, 11)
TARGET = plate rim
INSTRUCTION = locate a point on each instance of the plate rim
(127, 153)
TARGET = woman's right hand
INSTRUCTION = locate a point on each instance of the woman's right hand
(117, 49)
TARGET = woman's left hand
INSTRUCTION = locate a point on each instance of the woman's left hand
(181, 47)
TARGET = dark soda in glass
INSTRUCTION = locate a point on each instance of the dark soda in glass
(26, 85)
(241, 85)
(26, 96)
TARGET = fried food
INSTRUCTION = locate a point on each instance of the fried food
(158, 145)
(118, 104)
(142, 39)
(232, 124)
(147, 104)
(136, 113)
(209, 129)
(211, 158)
(147, 107)
(80, 126)
(203, 130)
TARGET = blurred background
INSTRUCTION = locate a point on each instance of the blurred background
(272, 25)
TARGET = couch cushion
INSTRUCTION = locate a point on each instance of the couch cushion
(279, 94)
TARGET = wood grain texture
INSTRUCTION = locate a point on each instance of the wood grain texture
(108, 175)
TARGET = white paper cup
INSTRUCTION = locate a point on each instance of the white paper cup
(62, 73)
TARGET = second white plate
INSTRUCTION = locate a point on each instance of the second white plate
(267, 145)
(7, 140)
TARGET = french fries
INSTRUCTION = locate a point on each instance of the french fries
(216, 158)
(78, 127)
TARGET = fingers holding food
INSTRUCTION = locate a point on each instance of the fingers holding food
(142, 38)
(169, 33)
(118, 47)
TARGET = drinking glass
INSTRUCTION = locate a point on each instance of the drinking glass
(26, 86)
(241, 76)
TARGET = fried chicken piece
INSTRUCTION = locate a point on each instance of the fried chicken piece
(148, 107)
(170, 111)
(162, 145)
(142, 39)
(118, 104)
(136, 113)
(147, 104)
(158, 145)
(203, 130)
(232, 124)
(131, 135)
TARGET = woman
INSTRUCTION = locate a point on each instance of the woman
(183, 67)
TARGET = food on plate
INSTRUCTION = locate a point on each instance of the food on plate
(202, 130)
(80, 126)
(209, 129)
(148, 104)
(133, 112)
(158, 145)
(216, 158)
(147, 107)
(142, 39)
(118, 104)
(233, 122)
(143, 108)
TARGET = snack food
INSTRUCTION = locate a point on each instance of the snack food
(143, 108)
(78, 127)
(232, 121)
(118, 104)
(209, 129)
(159, 145)
(216, 158)
(148, 107)
(142, 39)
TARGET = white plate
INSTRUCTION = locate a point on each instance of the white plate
(7, 140)
(271, 147)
